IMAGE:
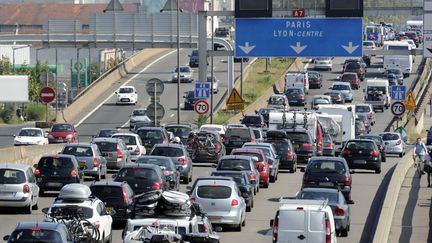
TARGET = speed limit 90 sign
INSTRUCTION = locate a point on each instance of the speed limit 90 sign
(201, 107)
(398, 108)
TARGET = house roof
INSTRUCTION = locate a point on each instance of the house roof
(37, 14)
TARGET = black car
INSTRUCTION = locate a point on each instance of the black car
(379, 142)
(168, 167)
(362, 154)
(194, 58)
(138, 125)
(189, 100)
(54, 171)
(152, 135)
(39, 231)
(202, 154)
(242, 181)
(302, 142)
(336, 96)
(265, 112)
(328, 171)
(180, 130)
(315, 79)
(296, 96)
(142, 177)
(117, 196)
(253, 121)
(337, 203)
(235, 137)
(284, 149)
(106, 133)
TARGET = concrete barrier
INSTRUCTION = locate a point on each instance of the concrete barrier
(87, 101)
(27, 154)
(385, 219)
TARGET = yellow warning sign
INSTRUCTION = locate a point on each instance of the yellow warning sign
(235, 101)
(410, 101)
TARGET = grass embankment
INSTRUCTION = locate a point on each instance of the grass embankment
(256, 82)
(32, 112)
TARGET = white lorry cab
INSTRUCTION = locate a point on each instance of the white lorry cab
(332, 124)
(377, 93)
(303, 221)
(402, 62)
(297, 79)
(347, 124)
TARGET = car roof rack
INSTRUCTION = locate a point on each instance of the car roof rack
(287, 201)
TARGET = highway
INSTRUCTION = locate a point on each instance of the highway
(368, 188)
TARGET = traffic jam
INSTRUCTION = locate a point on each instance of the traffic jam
(131, 178)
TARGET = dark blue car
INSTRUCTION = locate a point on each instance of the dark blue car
(39, 232)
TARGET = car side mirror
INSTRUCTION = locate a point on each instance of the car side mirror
(130, 148)
(271, 222)
(45, 210)
(115, 92)
(189, 55)
(35, 166)
(330, 87)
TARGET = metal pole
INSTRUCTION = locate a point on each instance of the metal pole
(154, 103)
(78, 73)
(89, 66)
(178, 64)
(56, 80)
(241, 78)
(13, 60)
(211, 67)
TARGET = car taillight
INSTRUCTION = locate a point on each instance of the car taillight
(119, 152)
(370, 114)
(165, 141)
(137, 150)
(362, 130)
(97, 224)
(275, 229)
(95, 162)
(37, 172)
(305, 180)
(302, 97)
(251, 176)
(26, 188)
(346, 152)
(374, 153)
(234, 202)
(156, 186)
(182, 160)
(329, 145)
(399, 142)
(366, 122)
(192, 199)
(290, 154)
(251, 139)
(347, 181)
(308, 146)
(339, 211)
(380, 147)
(125, 197)
(73, 173)
(328, 231)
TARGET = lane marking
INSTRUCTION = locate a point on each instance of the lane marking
(127, 81)
(172, 115)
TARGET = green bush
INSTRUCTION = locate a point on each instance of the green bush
(35, 112)
(7, 113)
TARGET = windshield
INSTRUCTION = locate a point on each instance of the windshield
(62, 128)
(251, 120)
(107, 192)
(327, 167)
(55, 162)
(331, 196)
(214, 192)
(238, 178)
(367, 43)
(30, 133)
(234, 164)
(255, 157)
(106, 133)
(372, 89)
(168, 151)
(183, 69)
(321, 101)
(107, 146)
(297, 137)
(126, 90)
(74, 210)
(398, 47)
(341, 87)
(238, 132)
(394, 71)
(78, 151)
(293, 91)
(127, 139)
(165, 162)
(139, 112)
(362, 108)
(390, 136)
(11, 176)
(376, 139)
(35, 234)
(150, 134)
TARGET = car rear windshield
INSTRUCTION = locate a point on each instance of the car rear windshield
(11, 176)
(107, 192)
(293, 91)
(238, 178)
(165, 162)
(298, 137)
(340, 87)
(150, 134)
(353, 65)
(214, 192)
(348, 77)
(78, 151)
(35, 234)
(276, 100)
(139, 112)
(107, 146)
(255, 157)
(390, 136)
(281, 146)
(362, 108)
(256, 133)
(138, 173)
(168, 151)
(55, 162)
(30, 133)
(376, 139)
(61, 128)
(85, 212)
(360, 145)
(251, 120)
(238, 132)
(106, 133)
(127, 139)
(234, 164)
(332, 197)
(334, 167)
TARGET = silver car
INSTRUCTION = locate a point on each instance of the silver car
(393, 143)
(18, 187)
(114, 150)
(222, 202)
(138, 115)
(345, 89)
(186, 75)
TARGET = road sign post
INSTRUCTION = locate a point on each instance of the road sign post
(46, 95)
(201, 107)
(297, 37)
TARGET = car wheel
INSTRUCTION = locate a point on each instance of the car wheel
(378, 171)
(104, 175)
(344, 232)
(266, 185)
(36, 206)
(28, 209)
(401, 155)
(190, 178)
(244, 222)
(109, 238)
(255, 191)
(238, 228)
(41, 193)
(185, 180)
(98, 176)
(272, 179)
(249, 208)
(383, 159)
(257, 188)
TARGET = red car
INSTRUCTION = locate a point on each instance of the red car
(260, 162)
(351, 78)
(63, 133)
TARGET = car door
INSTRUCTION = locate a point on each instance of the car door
(97, 153)
(292, 226)
(33, 186)
(105, 220)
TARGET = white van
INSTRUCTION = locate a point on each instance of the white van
(381, 85)
(402, 62)
(303, 221)
(347, 125)
(297, 79)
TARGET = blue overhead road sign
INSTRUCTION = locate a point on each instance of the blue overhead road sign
(293, 37)
(202, 90)
(398, 92)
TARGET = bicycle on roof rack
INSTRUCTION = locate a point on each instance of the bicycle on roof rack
(209, 144)
(75, 221)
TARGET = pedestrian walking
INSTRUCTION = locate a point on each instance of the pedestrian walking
(428, 166)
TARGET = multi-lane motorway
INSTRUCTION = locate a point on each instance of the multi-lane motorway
(368, 188)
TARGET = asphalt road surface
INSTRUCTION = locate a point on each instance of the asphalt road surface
(368, 188)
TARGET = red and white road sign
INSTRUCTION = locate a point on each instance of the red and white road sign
(47, 95)
(201, 107)
(298, 13)
(398, 108)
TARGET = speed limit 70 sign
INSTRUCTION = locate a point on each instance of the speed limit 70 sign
(201, 107)
(398, 108)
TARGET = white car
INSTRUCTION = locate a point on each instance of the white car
(221, 129)
(76, 198)
(127, 95)
(411, 42)
(138, 115)
(393, 143)
(30, 136)
(133, 143)
(369, 45)
(323, 63)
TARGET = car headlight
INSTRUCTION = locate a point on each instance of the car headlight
(69, 136)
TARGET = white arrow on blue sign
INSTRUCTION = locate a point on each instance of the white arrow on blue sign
(398, 92)
(294, 37)
(202, 90)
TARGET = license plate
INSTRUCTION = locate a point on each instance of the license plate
(54, 184)
(125, 100)
(6, 194)
(214, 218)
(326, 184)
(359, 161)
(296, 146)
(82, 163)
(108, 209)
